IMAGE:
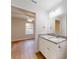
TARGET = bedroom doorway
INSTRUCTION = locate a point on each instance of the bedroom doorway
(23, 24)
(57, 26)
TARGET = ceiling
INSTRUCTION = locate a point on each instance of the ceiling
(18, 13)
(47, 4)
(42, 4)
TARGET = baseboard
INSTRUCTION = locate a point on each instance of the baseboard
(21, 40)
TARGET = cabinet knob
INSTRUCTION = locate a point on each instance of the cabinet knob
(59, 46)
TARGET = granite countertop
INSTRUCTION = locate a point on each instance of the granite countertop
(58, 35)
(54, 38)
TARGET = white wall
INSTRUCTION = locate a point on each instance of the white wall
(42, 20)
(41, 16)
(64, 25)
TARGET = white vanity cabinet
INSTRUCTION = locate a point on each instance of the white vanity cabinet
(51, 50)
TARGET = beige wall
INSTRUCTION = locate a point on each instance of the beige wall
(18, 24)
(18, 28)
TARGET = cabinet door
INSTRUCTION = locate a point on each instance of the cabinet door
(52, 48)
(62, 51)
(48, 48)
(43, 47)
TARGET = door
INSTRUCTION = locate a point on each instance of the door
(57, 25)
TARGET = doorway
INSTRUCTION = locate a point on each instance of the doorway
(23, 24)
(57, 26)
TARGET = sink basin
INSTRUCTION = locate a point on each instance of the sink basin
(57, 40)
(47, 36)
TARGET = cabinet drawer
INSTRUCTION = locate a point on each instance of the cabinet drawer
(47, 47)
(51, 48)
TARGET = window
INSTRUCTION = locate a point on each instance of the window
(29, 28)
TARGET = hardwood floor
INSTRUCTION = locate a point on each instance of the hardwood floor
(25, 50)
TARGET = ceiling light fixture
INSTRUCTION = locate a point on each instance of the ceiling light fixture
(55, 13)
(30, 19)
(34, 1)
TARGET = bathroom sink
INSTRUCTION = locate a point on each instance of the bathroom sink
(47, 36)
(57, 40)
